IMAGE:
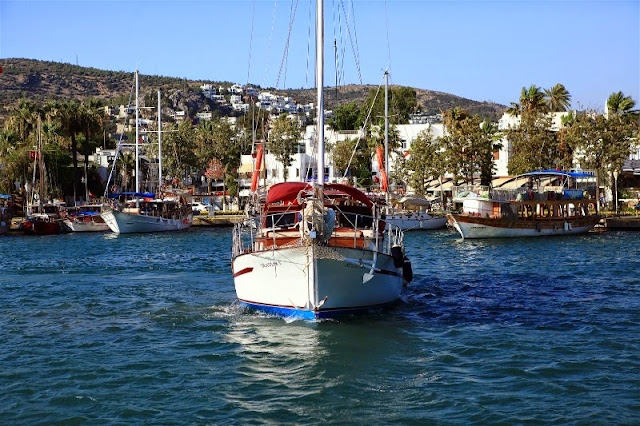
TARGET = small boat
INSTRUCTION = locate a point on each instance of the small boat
(45, 219)
(85, 218)
(541, 203)
(132, 212)
(5, 214)
(415, 217)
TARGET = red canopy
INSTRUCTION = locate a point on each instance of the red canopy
(287, 192)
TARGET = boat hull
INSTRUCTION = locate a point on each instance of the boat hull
(128, 223)
(41, 227)
(408, 222)
(96, 224)
(471, 227)
(316, 281)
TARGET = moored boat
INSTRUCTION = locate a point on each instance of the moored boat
(5, 214)
(85, 218)
(45, 219)
(546, 203)
(134, 212)
(414, 215)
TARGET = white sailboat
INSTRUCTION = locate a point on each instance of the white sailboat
(318, 250)
(406, 219)
(133, 212)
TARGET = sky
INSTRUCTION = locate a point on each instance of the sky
(480, 50)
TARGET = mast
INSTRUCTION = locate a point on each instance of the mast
(320, 84)
(386, 137)
(137, 138)
(159, 143)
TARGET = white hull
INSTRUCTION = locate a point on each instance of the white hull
(316, 281)
(91, 226)
(129, 223)
(408, 222)
(476, 230)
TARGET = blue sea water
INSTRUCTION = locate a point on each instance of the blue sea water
(104, 329)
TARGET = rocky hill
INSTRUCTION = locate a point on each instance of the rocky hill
(45, 80)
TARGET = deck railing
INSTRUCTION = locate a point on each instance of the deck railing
(252, 234)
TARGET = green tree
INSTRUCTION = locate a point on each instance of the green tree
(622, 106)
(603, 143)
(69, 115)
(283, 141)
(558, 98)
(346, 117)
(178, 151)
(532, 100)
(534, 145)
(426, 161)
(488, 143)
(228, 148)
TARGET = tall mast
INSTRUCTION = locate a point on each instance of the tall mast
(386, 136)
(137, 138)
(320, 84)
(159, 142)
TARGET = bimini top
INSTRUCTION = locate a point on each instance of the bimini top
(574, 175)
(287, 192)
(133, 194)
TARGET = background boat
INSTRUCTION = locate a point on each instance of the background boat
(544, 203)
(85, 218)
(132, 212)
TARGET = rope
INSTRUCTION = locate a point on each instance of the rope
(353, 39)
(285, 54)
(253, 14)
(362, 131)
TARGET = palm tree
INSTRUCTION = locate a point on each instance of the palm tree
(622, 106)
(92, 118)
(558, 98)
(69, 114)
(532, 100)
(514, 109)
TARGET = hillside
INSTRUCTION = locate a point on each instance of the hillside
(45, 80)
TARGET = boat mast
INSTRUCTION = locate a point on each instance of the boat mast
(159, 143)
(137, 139)
(320, 84)
(386, 138)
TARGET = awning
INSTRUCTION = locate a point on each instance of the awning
(414, 201)
(499, 181)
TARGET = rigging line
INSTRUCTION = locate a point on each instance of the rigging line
(285, 54)
(266, 62)
(354, 47)
(253, 14)
(342, 48)
(366, 120)
(118, 147)
(306, 78)
(386, 20)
